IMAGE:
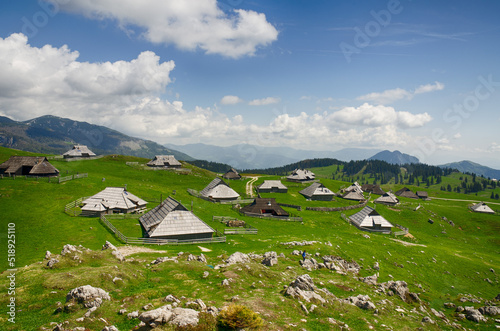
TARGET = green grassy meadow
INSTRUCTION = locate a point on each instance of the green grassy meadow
(441, 262)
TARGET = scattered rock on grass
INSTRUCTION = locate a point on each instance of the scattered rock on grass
(88, 295)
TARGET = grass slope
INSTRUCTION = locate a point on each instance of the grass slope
(447, 261)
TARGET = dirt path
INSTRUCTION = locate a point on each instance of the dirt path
(492, 203)
(129, 250)
(249, 186)
(407, 243)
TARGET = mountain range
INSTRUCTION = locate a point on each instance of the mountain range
(56, 135)
(469, 166)
(246, 156)
(395, 157)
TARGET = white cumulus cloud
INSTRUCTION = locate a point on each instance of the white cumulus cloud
(186, 24)
(390, 96)
(126, 96)
(264, 101)
(377, 116)
(230, 100)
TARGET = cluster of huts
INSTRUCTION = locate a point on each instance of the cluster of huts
(171, 220)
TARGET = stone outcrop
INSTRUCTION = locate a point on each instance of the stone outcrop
(116, 253)
(52, 262)
(164, 259)
(88, 295)
(340, 265)
(270, 259)
(303, 288)
(237, 257)
(361, 301)
(179, 317)
(474, 315)
(399, 288)
(200, 258)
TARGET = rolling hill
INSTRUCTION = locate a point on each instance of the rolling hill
(56, 135)
(475, 168)
(395, 157)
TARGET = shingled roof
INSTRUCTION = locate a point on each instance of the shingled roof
(168, 161)
(264, 206)
(481, 207)
(370, 218)
(171, 219)
(354, 195)
(272, 184)
(113, 199)
(232, 174)
(301, 175)
(372, 188)
(217, 189)
(387, 198)
(354, 187)
(316, 189)
(28, 166)
(407, 193)
(79, 151)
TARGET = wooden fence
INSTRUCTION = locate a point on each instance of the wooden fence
(404, 230)
(279, 218)
(247, 229)
(71, 208)
(76, 176)
(153, 241)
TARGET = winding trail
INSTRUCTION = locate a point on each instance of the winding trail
(447, 199)
(249, 186)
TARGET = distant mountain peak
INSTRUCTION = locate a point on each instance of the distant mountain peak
(395, 157)
(474, 168)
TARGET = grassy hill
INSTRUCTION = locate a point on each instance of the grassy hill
(442, 263)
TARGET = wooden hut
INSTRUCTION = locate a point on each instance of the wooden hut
(387, 198)
(164, 161)
(78, 151)
(317, 191)
(265, 207)
(422, 195)
(218, 190)
(272, 186)
(354, 187)
(481, 207)
(369, 219)
(231, 174)
(301, 175)
(372, 188)
(112, 200)
(28, 166)
(354, 195)
(407, 193)
(171, 220)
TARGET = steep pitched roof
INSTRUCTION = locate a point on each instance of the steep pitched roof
(387, 198)
(316, 189)
(113, 198)
(79, 151)
(422, 194)
(301, 175)
(481, 207)
(218, 189)
(164, 161)
(39, 165)
(264, 205)
(171, 218)
(353, 195)
(231, 174)
(375, 189)
(405, 192)
(270, 184)
(355, 187)
(369, 218)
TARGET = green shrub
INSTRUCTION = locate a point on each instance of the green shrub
(235, 317)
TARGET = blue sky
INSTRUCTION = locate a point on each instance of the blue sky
(422, 77)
